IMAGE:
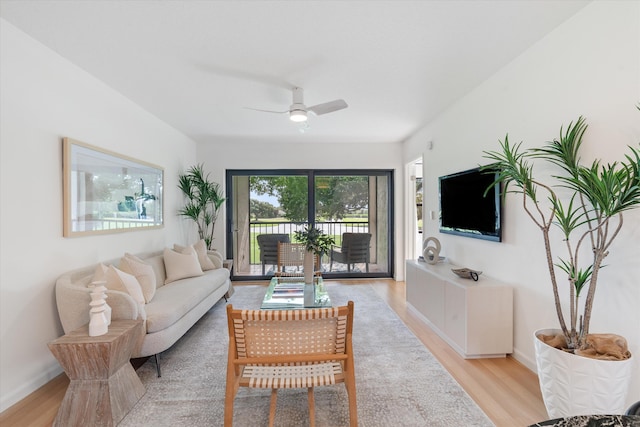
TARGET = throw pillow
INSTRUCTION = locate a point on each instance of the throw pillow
(99, 274)
(143, 272)
(201, 250)
(181, 265)
(205, 262)
(118, 280)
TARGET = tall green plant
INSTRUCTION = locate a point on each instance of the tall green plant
(589, 218)
(204, 199)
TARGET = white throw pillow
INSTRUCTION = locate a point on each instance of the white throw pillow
(118, 280)
(181, 265)
(99, 274)
(143, 272)
(205, 262)
(201, 250)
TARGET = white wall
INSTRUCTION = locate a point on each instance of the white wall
(218, 156)
(45, 98)
(588, 66)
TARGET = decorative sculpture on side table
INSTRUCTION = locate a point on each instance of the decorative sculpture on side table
(100, 313)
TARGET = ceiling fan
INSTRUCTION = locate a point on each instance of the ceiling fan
(298, 111)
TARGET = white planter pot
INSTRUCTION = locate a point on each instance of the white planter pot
(576, 385)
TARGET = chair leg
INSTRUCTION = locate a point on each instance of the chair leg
(157, 357)
(263, 268)
(229, 397)
(353, 407)
(312, 407)
(272, 407)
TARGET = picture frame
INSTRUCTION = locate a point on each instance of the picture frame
(105, 192)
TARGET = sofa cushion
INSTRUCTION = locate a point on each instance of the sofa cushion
(176, 299)
(181, 265)
(200, 248)
(157, 263)
(99, 273)
(118, 280)
(143, 272)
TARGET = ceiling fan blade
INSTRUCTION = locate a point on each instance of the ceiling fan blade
(265, 111)
(328, 107)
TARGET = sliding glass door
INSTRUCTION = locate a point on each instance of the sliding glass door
(265, 206)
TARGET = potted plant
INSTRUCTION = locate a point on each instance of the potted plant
(586, 204)
(317, 243)
(204, 199)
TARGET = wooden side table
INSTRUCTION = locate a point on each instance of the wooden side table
(104, 386)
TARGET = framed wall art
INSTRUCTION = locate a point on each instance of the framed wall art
(105, 192)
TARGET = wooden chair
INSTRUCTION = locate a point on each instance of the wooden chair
(290, 349)
(268, 244)
(354, 249)
(291, 260)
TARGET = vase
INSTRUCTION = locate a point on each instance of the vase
(308, 267)
(576, 385)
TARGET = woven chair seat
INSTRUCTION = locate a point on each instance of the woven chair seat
(291, 376)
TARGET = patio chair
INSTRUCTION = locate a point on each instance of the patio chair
(268, 244)
(354, 249)
(291, 260)
(275, 349)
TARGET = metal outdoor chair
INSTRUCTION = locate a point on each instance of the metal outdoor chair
(291, 260)
(268, 244)
(354, 249)
(276, 349)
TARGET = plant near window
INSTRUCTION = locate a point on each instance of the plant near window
(204, 199)
(314, 240)
(589, 218)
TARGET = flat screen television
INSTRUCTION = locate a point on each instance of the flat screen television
(464, 208)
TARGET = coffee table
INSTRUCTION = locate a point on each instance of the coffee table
(290, 293)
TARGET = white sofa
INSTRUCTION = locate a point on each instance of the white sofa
(172, 310)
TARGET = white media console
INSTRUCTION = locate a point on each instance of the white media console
(475, 318)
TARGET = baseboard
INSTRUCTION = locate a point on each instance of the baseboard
(525, 360)
(19, 393)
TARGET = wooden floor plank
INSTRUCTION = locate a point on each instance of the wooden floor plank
(504, 389)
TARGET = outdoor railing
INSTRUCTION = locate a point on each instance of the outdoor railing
(334, 229)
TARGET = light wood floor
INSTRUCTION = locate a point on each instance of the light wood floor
(503, 388)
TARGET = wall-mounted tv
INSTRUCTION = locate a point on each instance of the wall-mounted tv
(464, 208)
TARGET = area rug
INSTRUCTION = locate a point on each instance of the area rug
(399, 383)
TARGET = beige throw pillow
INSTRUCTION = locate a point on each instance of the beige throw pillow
(99, 274)
(118, 280)
(181, 265)
(201, 250)
(205, 262)
(142, 271)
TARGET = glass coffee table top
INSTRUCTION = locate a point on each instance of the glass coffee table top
(289, 293)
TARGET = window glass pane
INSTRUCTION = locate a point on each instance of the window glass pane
(266, 203)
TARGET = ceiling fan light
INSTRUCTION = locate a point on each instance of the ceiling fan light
(298, 116)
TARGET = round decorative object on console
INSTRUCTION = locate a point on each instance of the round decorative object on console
(467, 273)
(431, 254)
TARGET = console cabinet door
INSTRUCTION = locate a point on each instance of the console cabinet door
(455, 323)
(425, 292)
(411, 281)
(434, 297)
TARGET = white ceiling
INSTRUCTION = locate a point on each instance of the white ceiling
(196, 64)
